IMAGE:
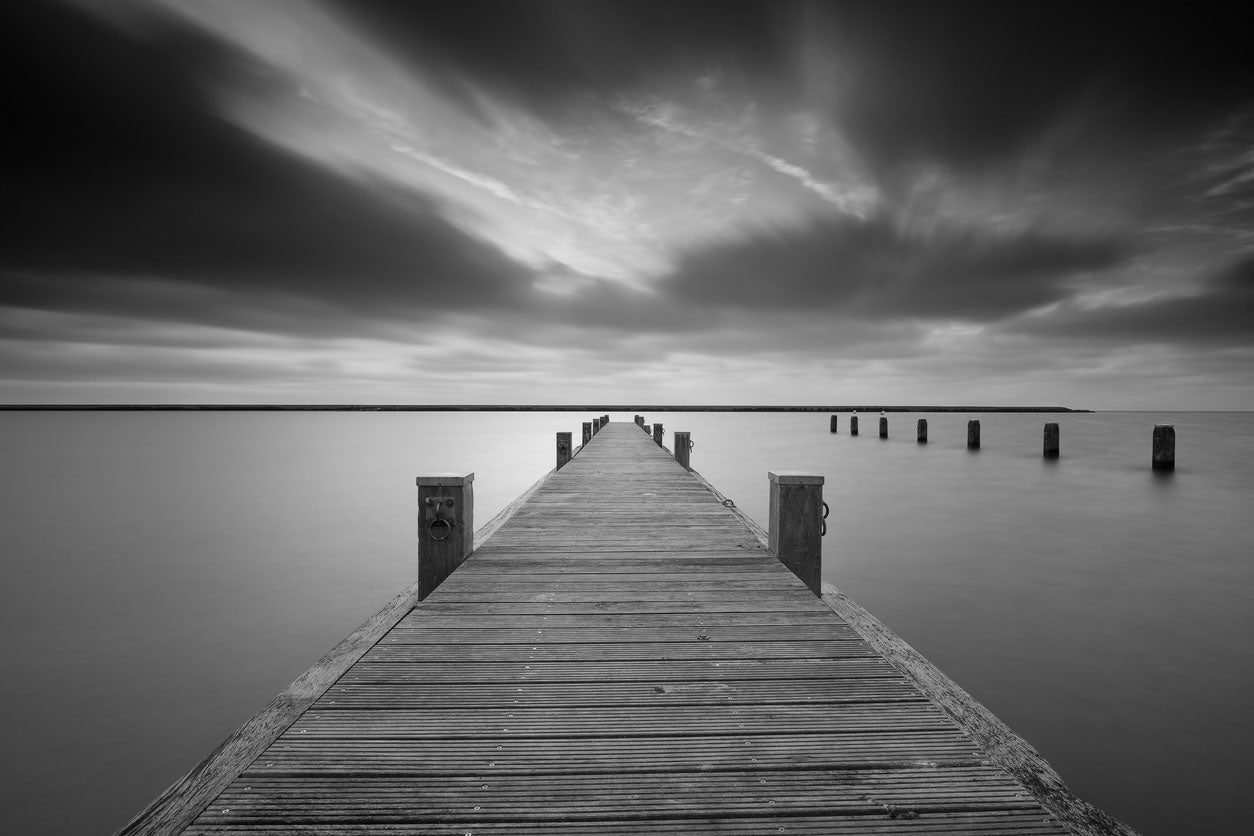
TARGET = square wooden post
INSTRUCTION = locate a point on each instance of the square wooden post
(796, 524)
(1050, 444)
(446, 527)
(1164, 448)
(657, 434)
(683, 446)
(563, 449)
(587, 431)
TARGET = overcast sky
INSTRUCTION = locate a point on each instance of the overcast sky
(481, 202)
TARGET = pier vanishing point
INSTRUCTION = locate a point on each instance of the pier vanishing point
(622, 652)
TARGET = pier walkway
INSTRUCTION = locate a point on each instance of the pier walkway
(621, 656)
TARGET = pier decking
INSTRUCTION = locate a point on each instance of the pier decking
(622, 655)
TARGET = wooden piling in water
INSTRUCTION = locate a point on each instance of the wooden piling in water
(797, 522)
(563, 449)
(973, 434)
(657, 434)
(1050, 447)
(834, 423)
(1164, 448)
(883, 426)
(921, 433)
(587, 431)
(683, 446)
(446, 526)
(853, 424)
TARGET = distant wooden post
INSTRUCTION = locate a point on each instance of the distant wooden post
(587, 431)
(605, 419)
(446, 527)
(1164, 448)
(1051, 440)
(883, 426)
(835, 423)
(922, 431)
(596, 425)
(563, 449)
(657, 434)
(683, 446)
(853, 424)
(973, 434)
(796, 523)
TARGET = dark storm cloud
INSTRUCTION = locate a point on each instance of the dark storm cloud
(1221, 314)
(116, 167)
(961, 83)
(876, 269)
(546, 51)
(970, 82)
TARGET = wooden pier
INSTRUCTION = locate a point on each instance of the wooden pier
(622, 655)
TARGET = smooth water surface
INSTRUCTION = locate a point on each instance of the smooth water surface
(165, 574)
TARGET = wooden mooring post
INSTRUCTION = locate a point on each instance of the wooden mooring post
(853, 424)
(446, 526)
(563, 449)
(797, 516)
(834, 423)
(921, 434)
(973, 434)
(1050, 445)
(883, 426)
(587, 431)
(596, 425)
(657, 434)
(1164, 448)
(683, 447)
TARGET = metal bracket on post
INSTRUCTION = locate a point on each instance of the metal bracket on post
(797, 522)
(446, 527)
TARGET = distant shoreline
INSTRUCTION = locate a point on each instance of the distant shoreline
(511, 408)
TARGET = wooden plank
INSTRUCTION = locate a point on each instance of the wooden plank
(615, 755)
(619, 651)
(680, 669)
(625, 721)
(353, 692)
(544, 798)
(971, 823)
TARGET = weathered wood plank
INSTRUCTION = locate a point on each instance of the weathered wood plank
(973, 823)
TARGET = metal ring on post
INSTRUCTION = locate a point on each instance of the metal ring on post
(691, 444)
(825, 510)
(822, 528)
(431, 528)
(729, 503)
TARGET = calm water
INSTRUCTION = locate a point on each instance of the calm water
(165, 574)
